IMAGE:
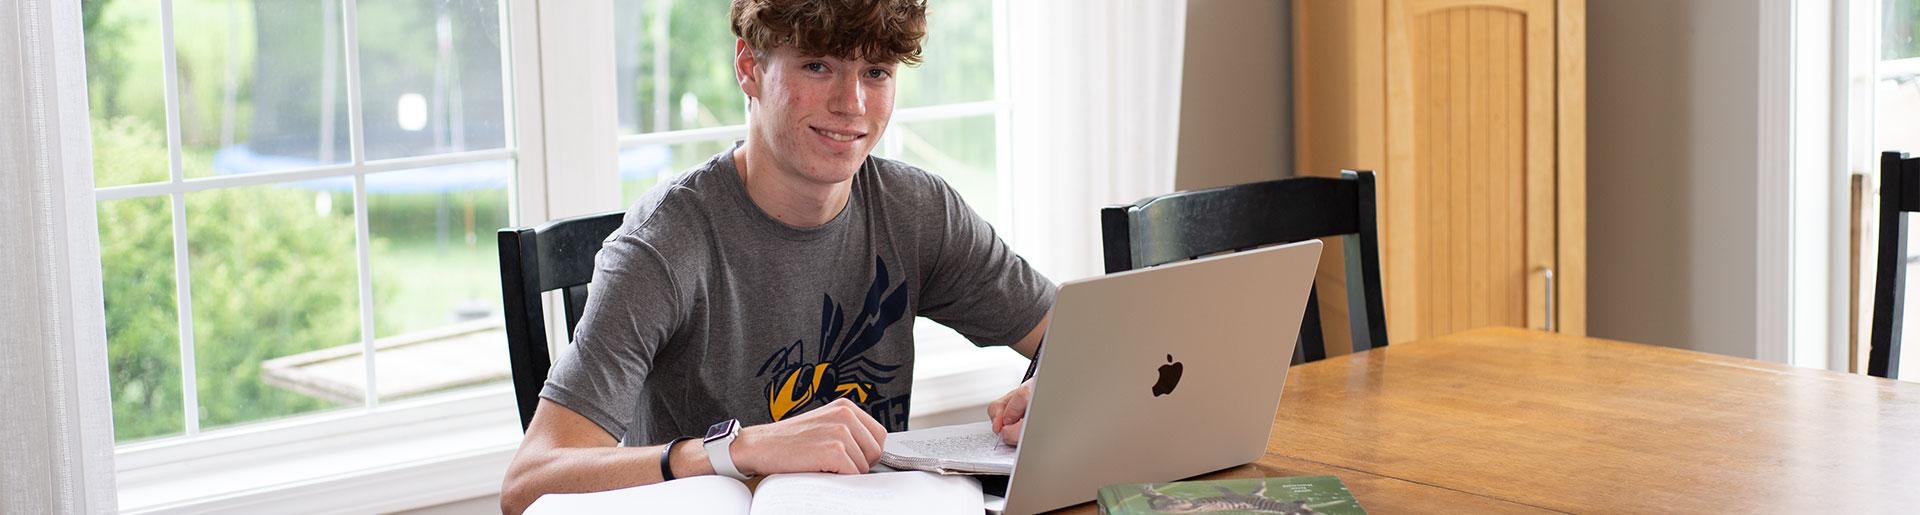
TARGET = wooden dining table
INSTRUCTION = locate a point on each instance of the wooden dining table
(1504, 420)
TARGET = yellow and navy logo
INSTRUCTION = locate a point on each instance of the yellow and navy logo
(839, 368)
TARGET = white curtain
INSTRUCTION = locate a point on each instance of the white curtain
(57, 443)
(1094, 117)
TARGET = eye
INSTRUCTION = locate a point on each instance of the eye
(816, 67)
(879, 73)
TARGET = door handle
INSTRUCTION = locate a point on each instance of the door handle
(1547, 271)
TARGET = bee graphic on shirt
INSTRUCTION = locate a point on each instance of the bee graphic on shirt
(839, 369)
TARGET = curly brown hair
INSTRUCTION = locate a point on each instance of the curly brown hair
(879, 31)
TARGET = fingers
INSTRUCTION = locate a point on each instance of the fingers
(879, 432)
(838, 456)
(838, 438)
(1011, 433)
(866, 434)
(1016, 408)
(864, 448)
(853, 452)
(993, 411)
(1013, 407)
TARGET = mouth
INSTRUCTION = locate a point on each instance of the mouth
(840, 136)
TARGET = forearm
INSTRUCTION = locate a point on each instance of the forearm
(540, 471)
(1029, 345)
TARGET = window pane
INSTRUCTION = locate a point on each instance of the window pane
(437, 272)
(958, 56)
(1898, 101)
(143, 332)
(643, 166)
(273, 275)
(255, 104)
(674, 66)
(1901, 19)
(431, 77)
(125, 92)
(960, 150)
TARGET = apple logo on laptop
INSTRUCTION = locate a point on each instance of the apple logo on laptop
(1169, 377)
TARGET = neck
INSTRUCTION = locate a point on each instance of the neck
(788, 197)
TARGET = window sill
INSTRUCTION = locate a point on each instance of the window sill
(395, 457)
(413, 455)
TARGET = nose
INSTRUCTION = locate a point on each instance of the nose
(849, 96)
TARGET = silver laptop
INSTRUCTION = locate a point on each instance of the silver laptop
(1160, 374)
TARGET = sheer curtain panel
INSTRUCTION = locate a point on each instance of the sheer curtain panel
(1094, 121)
(58, 442)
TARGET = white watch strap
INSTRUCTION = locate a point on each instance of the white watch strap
(720, 455)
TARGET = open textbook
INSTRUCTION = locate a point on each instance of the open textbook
(782, 494)
(959, 449)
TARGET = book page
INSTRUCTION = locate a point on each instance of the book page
(883, 493)
(966, 443)
(704, 495)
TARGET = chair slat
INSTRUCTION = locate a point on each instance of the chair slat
(1899, 195)
(1185, 225)
(552, 256)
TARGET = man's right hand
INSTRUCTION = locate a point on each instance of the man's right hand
(838, 438)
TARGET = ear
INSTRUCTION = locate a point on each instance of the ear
(746, 68)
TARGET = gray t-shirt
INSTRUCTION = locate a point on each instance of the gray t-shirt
(704, 308)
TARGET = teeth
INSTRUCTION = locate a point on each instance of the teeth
(838, 136)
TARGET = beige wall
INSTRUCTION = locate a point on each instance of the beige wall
(1672, 164)
(1235, 94)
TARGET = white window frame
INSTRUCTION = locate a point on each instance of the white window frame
(1825, 60)
(1810, 125)
(449, 447)
(1857, 54)
(1858, 42)
(436, 440)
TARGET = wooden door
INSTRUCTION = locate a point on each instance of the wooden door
(1471, 154)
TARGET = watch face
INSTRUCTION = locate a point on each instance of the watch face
(721, 430)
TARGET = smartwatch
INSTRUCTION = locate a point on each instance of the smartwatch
(719, 444)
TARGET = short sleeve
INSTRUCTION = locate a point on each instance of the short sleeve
(631, 312)
(977, 285)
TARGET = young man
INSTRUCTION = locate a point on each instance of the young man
(766, 298)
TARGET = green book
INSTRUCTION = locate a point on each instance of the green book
(1290, 495)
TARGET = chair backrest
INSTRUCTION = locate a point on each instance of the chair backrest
(1189, 224)
(556, 255)
(1899, 194)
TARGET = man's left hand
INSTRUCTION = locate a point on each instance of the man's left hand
(1009, 413)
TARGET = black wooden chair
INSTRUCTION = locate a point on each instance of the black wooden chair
(1899, 195)
(1189, 224)
(556, 255)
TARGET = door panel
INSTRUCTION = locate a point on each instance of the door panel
(1470, 132)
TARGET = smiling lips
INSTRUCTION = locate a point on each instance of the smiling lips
(839, 136)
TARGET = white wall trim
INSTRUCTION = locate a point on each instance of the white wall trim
(1840, 143)
(1833, 43)
(528, 195)
(386, 490)
(383, 468)
(1800, 254)
(577, 84)
(1774, 182)
(1857, 48)
(58, 424)
(1813, 242)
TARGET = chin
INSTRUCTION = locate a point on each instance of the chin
(834, 174)
(836, 170)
